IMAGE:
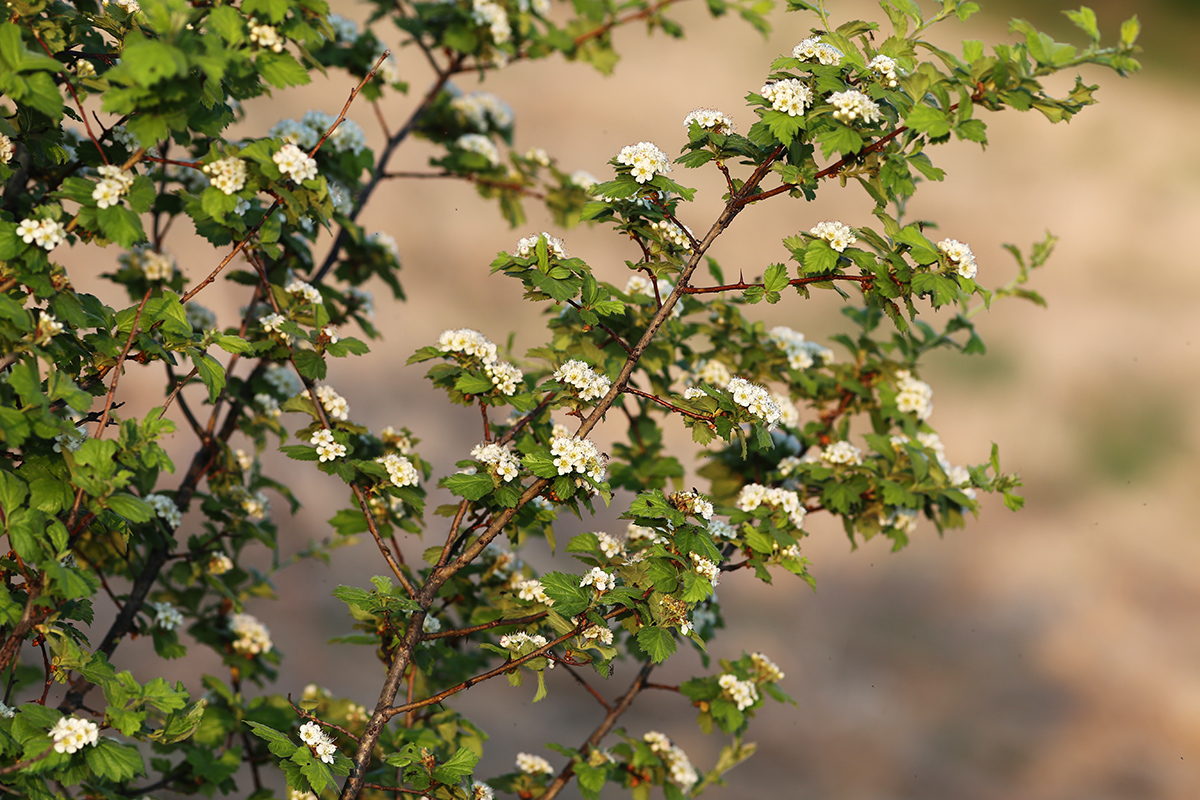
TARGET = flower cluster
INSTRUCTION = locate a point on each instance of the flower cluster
(219, 564)
(322, 746)
(755, 399)
(789, 415)
(7, 149)
(397, 440)
(960, 256)
(327, 448)
(706, 568)
(533, 765)
(912, 395)
(167, 616)
(644, 159)
(400, 470)
(479, 144)
(671, 232)
(710, 119)
(165, 508)
(71, 734)
(573, 454)
(838, 235)
(493, 15)
(692, 503)
(252, 637)
(683, 774)
(801, 353)
(712, 372)
(387, 242)
(282, 380)
(265, 36)
(347, 137)
(500, 458)
(469, 343)
(765, 670)
(813, 49)
(743, 693)
(154, 265)
(114, 183)
(344, 30)
(841, 453)
(853, 106)
(791, 96)
(481, 791)
(226, 174)
(47, 328)
(505, 376)
(600, 633)
(47, 233)
(531, 590)
(599, 578)
(305, 290)
(884, 69)
(583, 179)
(295, 163)
(754, 495)
(334, 404)
(589, 385)
(70, 441)
(483, 111)
(609, 545)
(527, 246)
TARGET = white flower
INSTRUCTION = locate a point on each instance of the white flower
(743, 693)
(801, 354)
(219, 564)
(754, 495)
(538, 156)
(327, 448)
(610, 545)
(296, 794)
(47, 328)
(481, 791)
(583, 179)
(7, 149)
(645, 160)
(253, 637)
(282, 380)
(789, 415)
(499, 457)
(505, 376)
(7, 711)
(71, 734)
(330, 333)
(765, 669)
(841, 453)
(340, 197)
(316, 738)
(960, 255)
(854, 106)
(273, 323)
(226, 174)
(599, 633)
(295, 163)
(347, 137)
(165, 508)
(493, 15)
(601, 579)
(912, 395)
(838, 235)
(397, 440)
(672, 233)
(533, 765)
(292, 132)
(813, 49)
(712, 372)
(884, 69)
(400, 470)
(167, 616)
(720, 529)
(692, 503)
(268, 404)
(484, 111)
(154, 265)
(676, 761)
(588, 383)
(344, 30)
(572, 454)
(431, 624)
(265, 36)
(706, 568)
(334, 404)
(254, 505)
(71, 441)
(522, 641)
(47, 233)
(754, 399)
(710, 118)
(527, 246)
(791, 96)
(387, 242)
(114, 183)
(480, 144)
(531, 590)
(469, 343)
(901, 519)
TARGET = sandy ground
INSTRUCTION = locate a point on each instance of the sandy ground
(1046, 655)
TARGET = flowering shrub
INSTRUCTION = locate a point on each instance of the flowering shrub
(786, 428)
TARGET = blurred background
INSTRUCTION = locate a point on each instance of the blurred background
(1049, 654)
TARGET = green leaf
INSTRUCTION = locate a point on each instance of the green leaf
(121, 225)
(12, 491)
(776, 279)
(658, 643)
(568, 596)
(460, 765)
(1085, 20)
(211, 372)
(114, 761)
(310, 364)
(472, 487)
(820, 258)
(134, 509)
(928, 119)
(281, 70)
(1130, 29)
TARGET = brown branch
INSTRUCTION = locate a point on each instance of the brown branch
(31, 615)
(112, 389)
(863, 280)
(499, 623)
(384, 550)
(590, 690)
(604, 328)
(595, 33)
(669, 405)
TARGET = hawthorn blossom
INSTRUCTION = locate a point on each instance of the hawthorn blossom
(710, 119)
(765, 669)
(572, 454)
(885, 70)
(742, 693)
(645, 160)
(801, 353)
(219, 564)
(680, 768)
(598, 633)
(469, 343)
(165, 508)
(500, 458)
(838, 235)
(327, 448)
(755, 399)
(960, 256)
(226, 174)
(155, 266)
(265, 36)
(71, 734)
(47, 233)
(589, 384)
(673, 233)
(483, 111)
(316, 738)
(583, 179)
(599, 578)
(813, 49)
(480, 145)
(344, 30)
(912, 395)
(491, 14)
(533, 765)
(754, 495)
(790, 96)
(47, 328)
(295, 163)
(167, 616)
(841, 453)
(853, 106)
(692, 503)
(113, 185)
(252, 637)
(706, 568)
(527, 246)
(334, 404)
(7, 149)
(505, 376)
(531, 590)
